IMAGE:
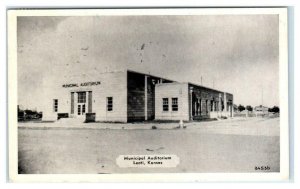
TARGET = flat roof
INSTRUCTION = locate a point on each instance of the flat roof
(128, 70)
(149, 74)
(208, 88)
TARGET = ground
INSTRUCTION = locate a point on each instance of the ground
(232, 145)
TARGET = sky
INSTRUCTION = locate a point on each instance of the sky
(238, 54)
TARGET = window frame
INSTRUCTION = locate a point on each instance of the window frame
(55, 105)
(79, 109)
(81, 97)
(109, 104)
(165, 104)
(175, 105)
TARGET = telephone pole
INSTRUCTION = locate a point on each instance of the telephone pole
(262, 96)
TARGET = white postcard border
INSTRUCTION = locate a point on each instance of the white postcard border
(283, 175)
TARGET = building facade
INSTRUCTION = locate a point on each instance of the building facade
(261, 110)
(127, 96)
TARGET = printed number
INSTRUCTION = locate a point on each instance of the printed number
(262, 168)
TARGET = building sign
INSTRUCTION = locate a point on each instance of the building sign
(85, 84)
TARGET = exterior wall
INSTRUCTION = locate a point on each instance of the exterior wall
(112, 85)
(141, 98)
(135, 96)
(151, 97)
(209, 103)
(172, 90)
(52, 91)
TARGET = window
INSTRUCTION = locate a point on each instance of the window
(109, 103)
(83, 108)
(55, 105)
(79, 110)
(81, 97)
(165, 104)
(174, 104)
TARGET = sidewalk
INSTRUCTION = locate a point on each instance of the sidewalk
(96, 125)
(75, 124)
(238, 126)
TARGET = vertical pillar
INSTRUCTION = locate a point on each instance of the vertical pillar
(191, 103)
(198, 107)
(146, 97)
(195, 107)
(225, 103)
(72, 103)
(86, 101)
(75, 104)
(232, 109)
(220, 102)
(90, 102)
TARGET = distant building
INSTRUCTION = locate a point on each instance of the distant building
(127, 96)
(261, 110)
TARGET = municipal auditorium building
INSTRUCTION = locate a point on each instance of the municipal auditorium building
(127, 96)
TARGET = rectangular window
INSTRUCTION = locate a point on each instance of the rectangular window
(81, 97)
(109, 103)
(55, 105)
(79, 109)
(165, 104)
(83, 108)
(174, 104)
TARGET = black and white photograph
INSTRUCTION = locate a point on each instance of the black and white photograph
(159, 91)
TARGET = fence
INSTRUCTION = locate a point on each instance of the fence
(253, 114)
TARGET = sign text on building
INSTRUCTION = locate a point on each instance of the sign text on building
(85, 84)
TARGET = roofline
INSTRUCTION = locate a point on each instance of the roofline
(98, 72)
(148, 74)
(172, 83)
(128, 70)
(180, 82)
(208, 88)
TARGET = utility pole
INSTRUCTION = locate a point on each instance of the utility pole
(201, 80)
(262, 95)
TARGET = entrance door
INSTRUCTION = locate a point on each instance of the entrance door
(81, 104)
(81, 109)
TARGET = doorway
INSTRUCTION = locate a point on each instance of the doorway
(81, 104)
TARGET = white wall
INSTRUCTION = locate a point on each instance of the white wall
(113, 84)
(172, 90)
